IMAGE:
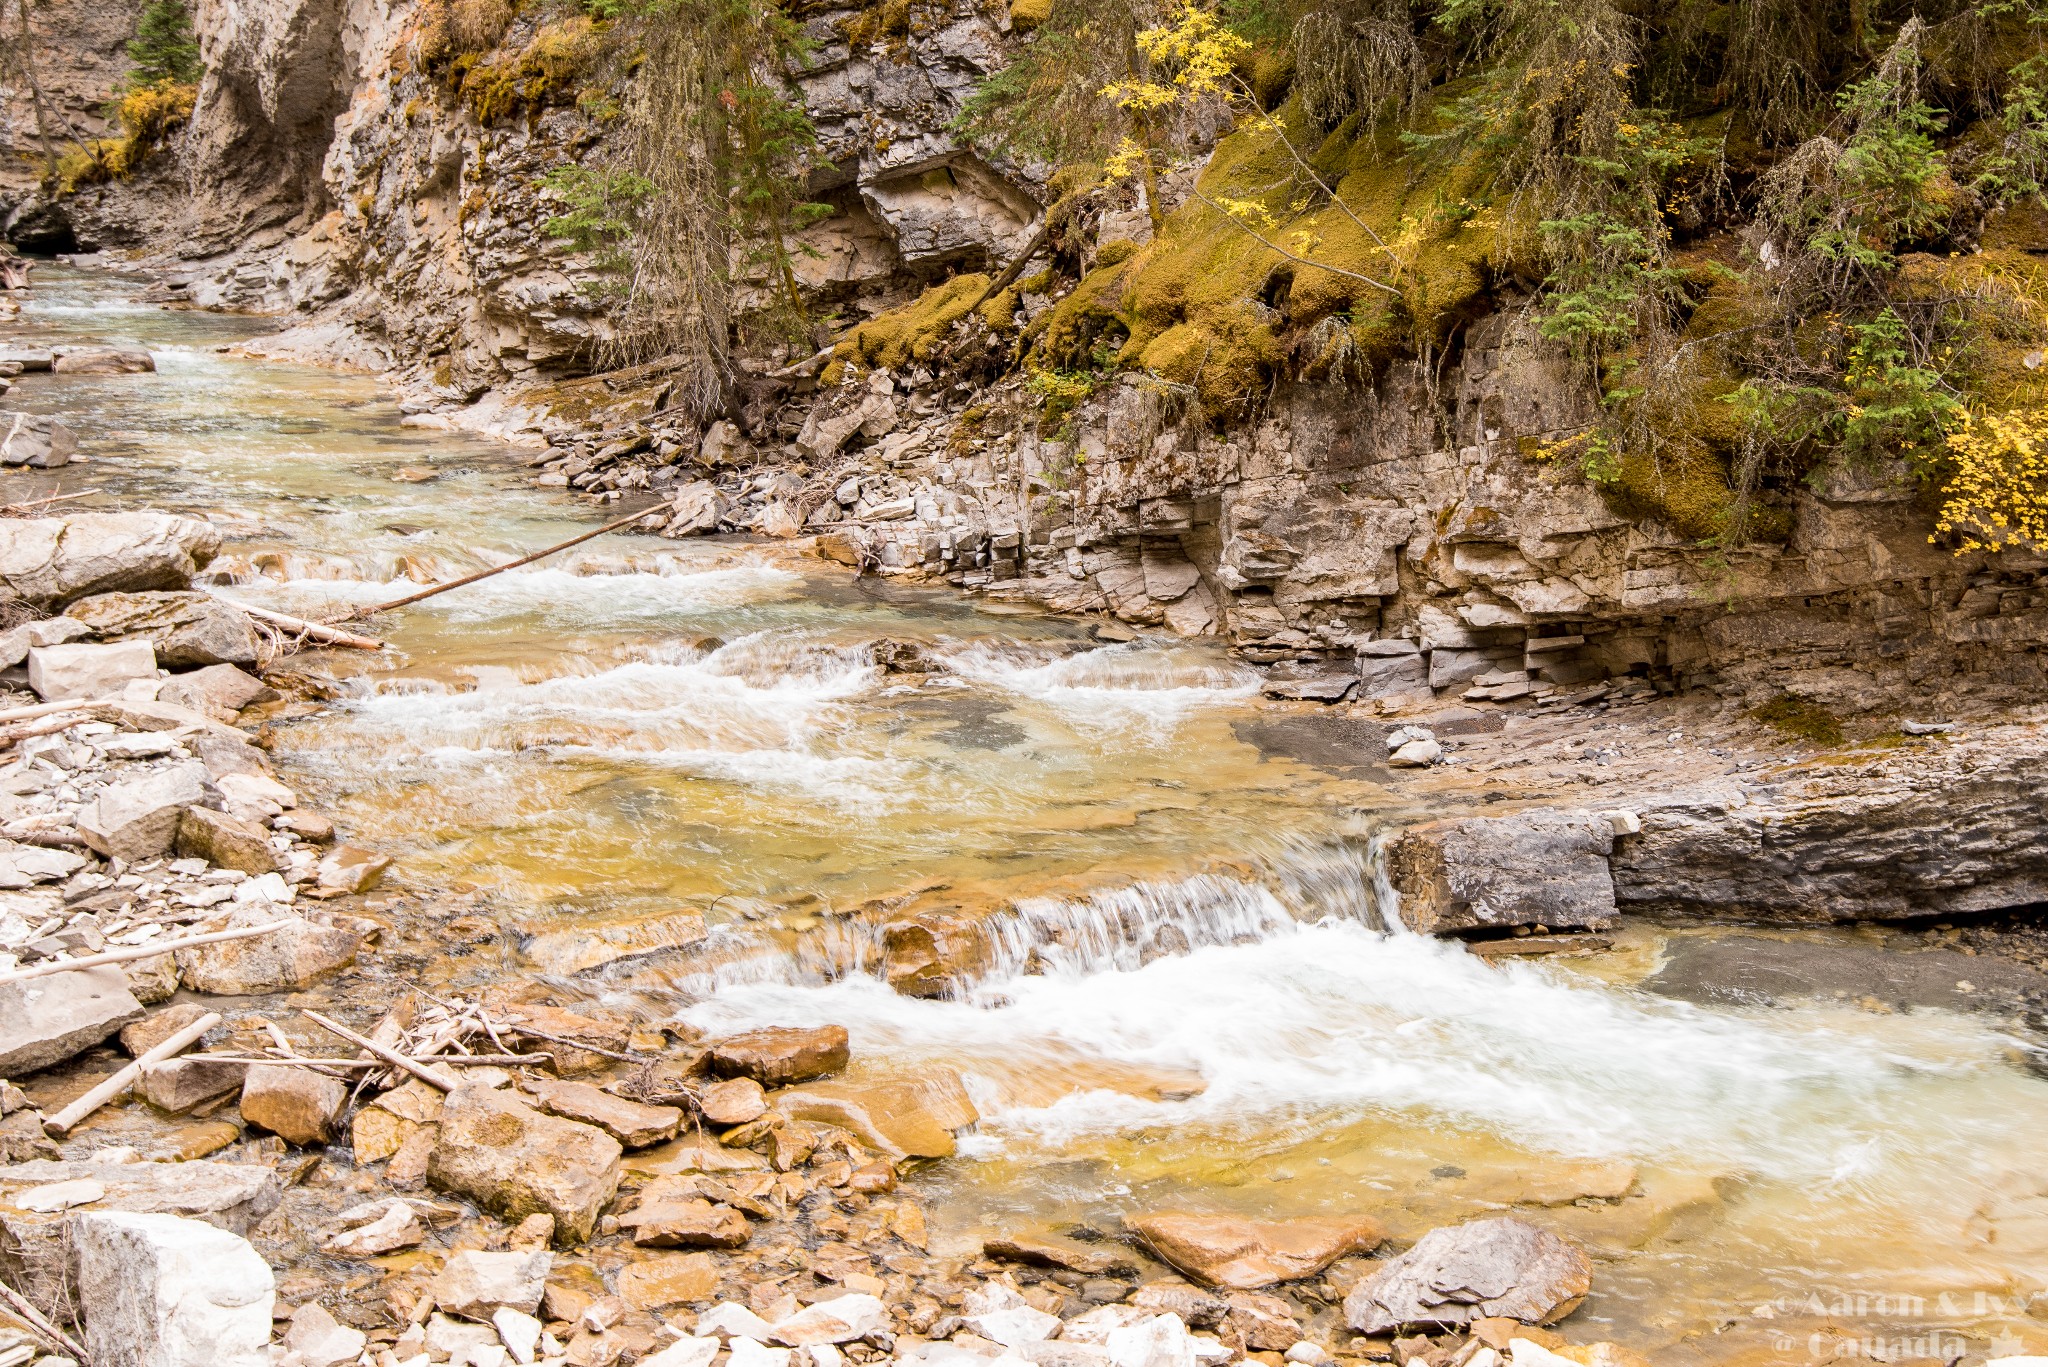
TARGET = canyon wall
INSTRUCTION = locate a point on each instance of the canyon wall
(1400, 537)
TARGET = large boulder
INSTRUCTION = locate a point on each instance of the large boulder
(297, 1105)
(49, 1019)
(63, 672)
(188, 628)
(160, 1291)
(227, 841)
(35, 1257)
(139, 819)
(298, 952)
(516, 1162)
(47, 562)
(101, 360)
(698, 508)
(1242, 1254)
(910, 1119)
(473, 1282)
(1491, 872)
(37, 442)
(778, 1057)
(1500, 1268)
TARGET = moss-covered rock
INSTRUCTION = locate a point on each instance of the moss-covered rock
(910, 333)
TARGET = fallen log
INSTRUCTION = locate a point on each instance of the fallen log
(323, 1064)
(36, 1320)
(435, 589)
(432, 1077)
(142, 951)
(61, 1124)
(312, 631)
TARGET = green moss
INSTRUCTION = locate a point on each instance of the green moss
(1026, 15)
(548, 71)
(908, 333)
(1800, 719)
(1195, 304)
(1272, 75)
(1111, 253)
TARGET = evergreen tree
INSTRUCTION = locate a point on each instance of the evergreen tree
(164, 50)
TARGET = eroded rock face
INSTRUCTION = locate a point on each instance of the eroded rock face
(1531, 868)
(47, 562)
(1243, 1255)
(1501, 1268)
(517, 1162)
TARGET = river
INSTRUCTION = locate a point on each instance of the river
(674, 774)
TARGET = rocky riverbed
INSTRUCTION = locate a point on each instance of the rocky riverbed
(808, 971)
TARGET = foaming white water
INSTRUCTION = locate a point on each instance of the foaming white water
(1121, 929)
(759, 710)
(1110, 687)
(1334, 1021)
(553, 593)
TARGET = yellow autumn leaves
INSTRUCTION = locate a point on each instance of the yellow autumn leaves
(1996, 494)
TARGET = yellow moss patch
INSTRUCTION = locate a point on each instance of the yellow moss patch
(548, 71)
(1026, 15)
(147, 115)
(1199, 301)
(908, 333)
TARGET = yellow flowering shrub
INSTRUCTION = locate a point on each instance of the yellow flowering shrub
(1996, 496)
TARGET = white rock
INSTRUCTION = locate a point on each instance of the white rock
(684, 1352)
(520, 1333)
(59, 673)
(161, 1291)
(1161, 1341)
(1095, 1326)
(447, 1338)
(990, 1297)
(824, 1355)
(1416, 754)
(316, 1339)
(729, 1321)
(1212, 1351)
(1624, 822)
(1402, 735)
(748, 1353)
(256, 790)
(396, 1225)
(1019, 1324)
(840, 1320)
(1529, 1353)
(474, 1282)
(1308, 1353)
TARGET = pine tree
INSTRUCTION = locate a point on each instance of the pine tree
(164, 50)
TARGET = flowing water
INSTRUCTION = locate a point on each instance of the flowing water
(676, 770)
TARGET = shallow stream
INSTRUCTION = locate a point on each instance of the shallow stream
(643, 737)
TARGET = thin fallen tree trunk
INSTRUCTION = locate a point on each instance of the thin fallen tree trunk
(61, 1124)
(323, 1064)
(142, 951)
(430, 592)
(39, 1322)
(318, 631)
(431, 1076)
(1017, 264)
(13, 509)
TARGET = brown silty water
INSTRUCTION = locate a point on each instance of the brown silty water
(675, 774)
